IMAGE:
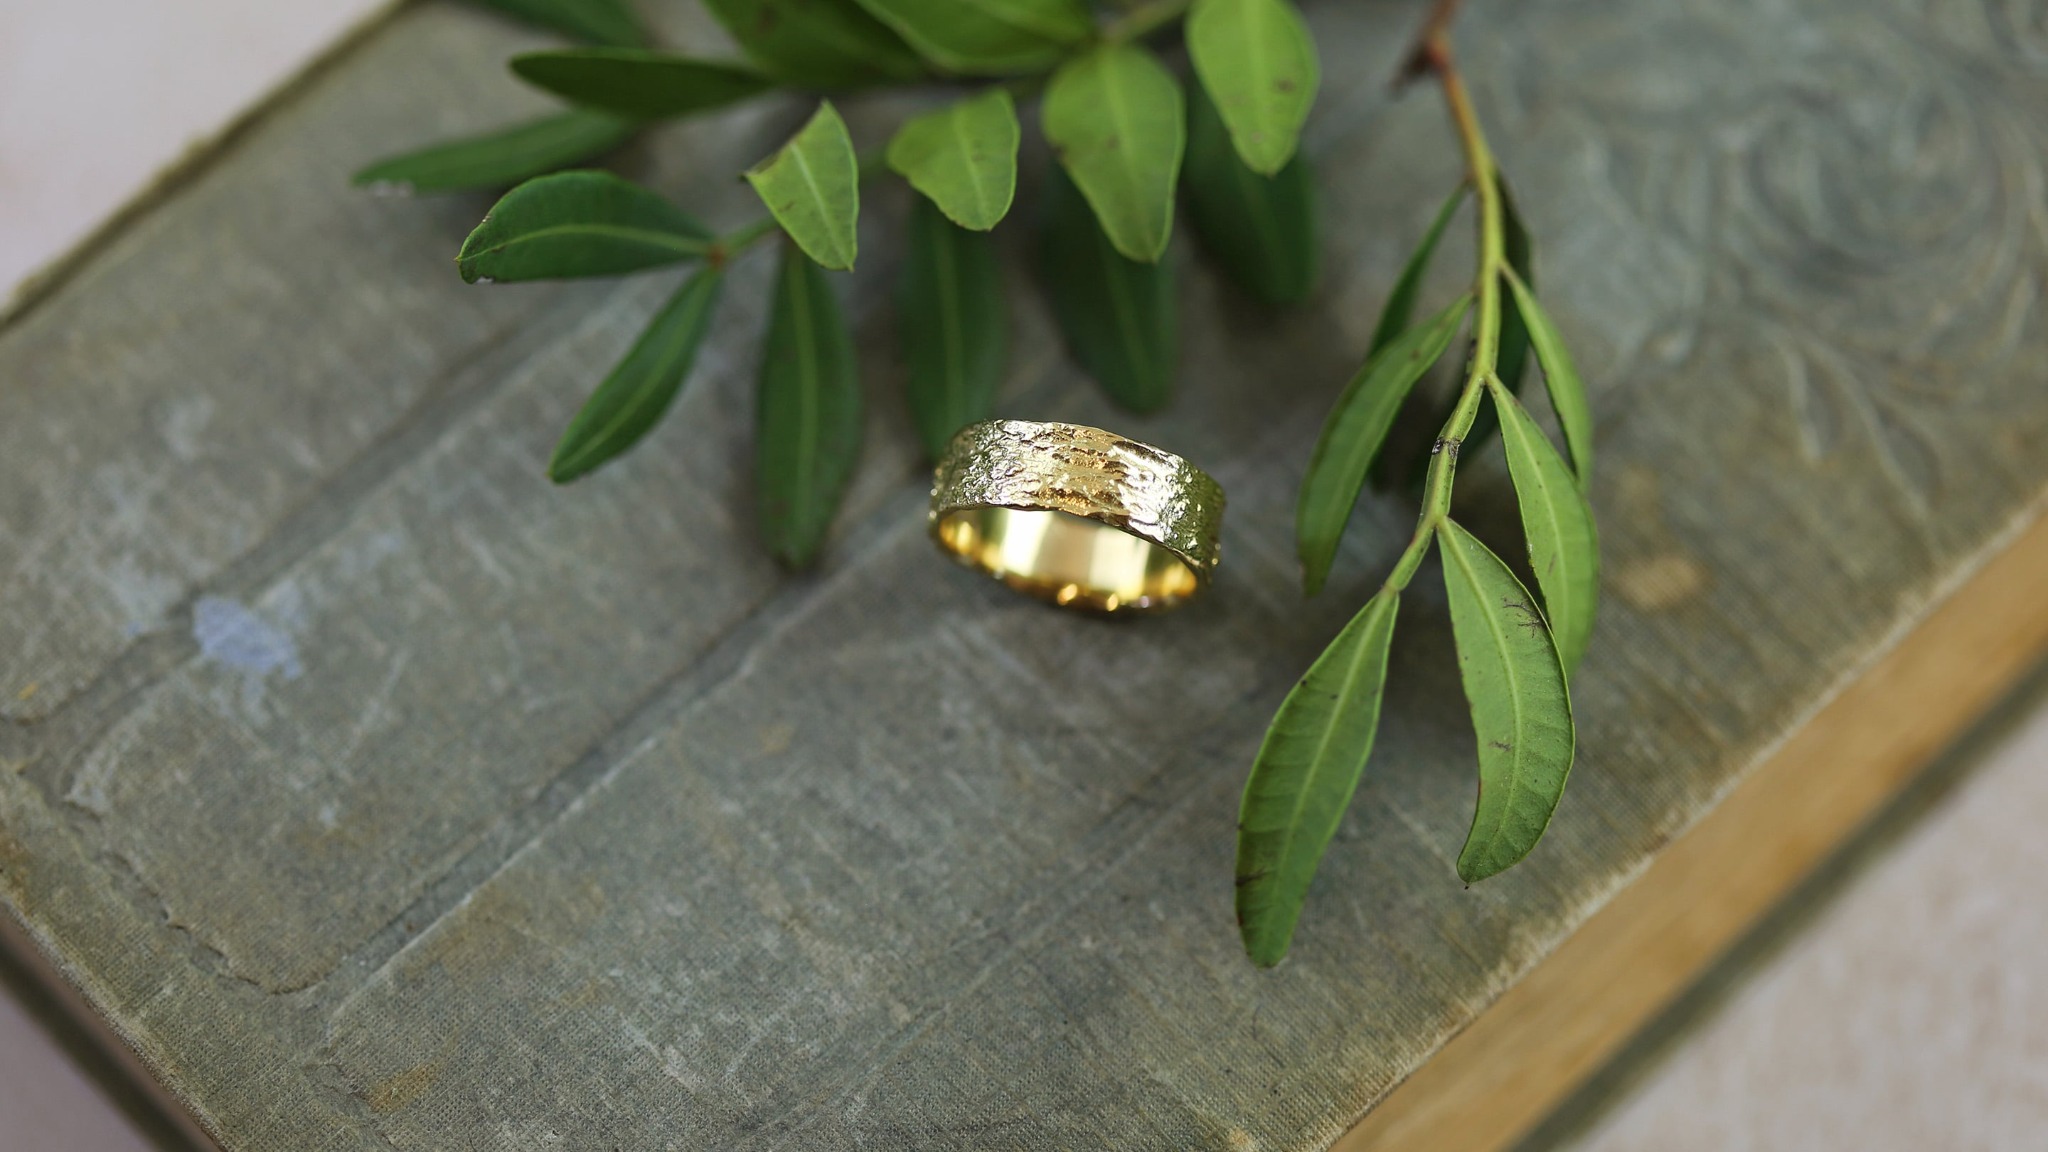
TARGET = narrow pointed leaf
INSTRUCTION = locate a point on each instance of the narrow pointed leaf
(1260, 229)
(1521, 710)
(1564, 548)
(1118, 315)
(1399, 310)
(812, 188)
(636, 83)
(502, 158)
(632, 400)
(963, 157)
(1352, 434)
(1115, 118)
(598, 21)
(956, 328)
(987, 37)
(578, 224)
(1256, 58)
(1307, 769)
(1514, 331)
(818, 43)
(1561, 378)
(808, 423)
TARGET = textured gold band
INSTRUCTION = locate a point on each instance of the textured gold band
(1075, 515)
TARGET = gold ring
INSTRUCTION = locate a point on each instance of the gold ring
(1075, 515)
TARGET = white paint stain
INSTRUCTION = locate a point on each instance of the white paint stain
(184, 426)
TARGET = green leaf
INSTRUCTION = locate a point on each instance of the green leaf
(1521, 710)
(502, 158)
(1399, 309)
(1514, 331)
(1117, 314)
(598, 21)
(987, 37)
(964, 157)
(1114, 116)
(639, 390)
(1564, 548)
(818, 43)
(1352, 434)
(578, 224)
(1260, 229)
(1256, 58)
(637, 83)
(956, 328)
(1306, 771)
(1567, 391)
(807, 431)
(812, 188)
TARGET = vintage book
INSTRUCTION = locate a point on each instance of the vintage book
(375, 793)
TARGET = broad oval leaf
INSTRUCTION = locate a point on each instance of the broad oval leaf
(1564, 547)
(1257, 59)
(1561, 378)
(812, 188)
(1521, 709)
(1261, 229)
(1399, 310)
(1352, 434)
(598, 21)
(637, 83)
(964, 157)
(1118, 315)
(987, 37)
(955, 326)
(808, 423)
(636, 394)
(1114, 116)
(816, 44)
(578, 224)
(502, 158)
(1307, 769)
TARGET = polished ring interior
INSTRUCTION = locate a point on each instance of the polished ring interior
(1076, 515)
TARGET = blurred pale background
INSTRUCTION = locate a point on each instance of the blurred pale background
(1910, 1013)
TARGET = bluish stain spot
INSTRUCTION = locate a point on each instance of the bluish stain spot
(231, 635)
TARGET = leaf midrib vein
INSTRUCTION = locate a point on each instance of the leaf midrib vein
(1351, 673)
(803, 167)
(672, 241)
(675, 337)
(1499, 635)
(807, 393)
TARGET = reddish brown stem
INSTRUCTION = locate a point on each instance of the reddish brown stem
(1432, 50)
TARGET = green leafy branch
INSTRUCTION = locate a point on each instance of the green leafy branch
(1133, 144)
(1514, 656)
(1130, 141)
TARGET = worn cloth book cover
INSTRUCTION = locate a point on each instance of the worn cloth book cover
(382, 795)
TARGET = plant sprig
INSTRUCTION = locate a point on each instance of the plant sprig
(1115, 115)
(1130, 137)
(1514, 657)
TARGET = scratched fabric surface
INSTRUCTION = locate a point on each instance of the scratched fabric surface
(384, 796)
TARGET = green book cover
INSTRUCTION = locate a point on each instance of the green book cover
(381, 795)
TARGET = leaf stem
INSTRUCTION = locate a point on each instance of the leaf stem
(1143, 19)
(1433, 56)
